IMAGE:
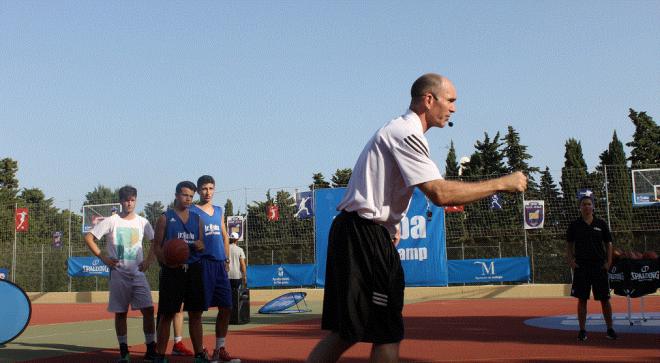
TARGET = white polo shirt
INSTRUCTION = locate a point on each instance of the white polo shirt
(395, 160)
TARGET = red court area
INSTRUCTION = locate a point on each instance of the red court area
(436, 331)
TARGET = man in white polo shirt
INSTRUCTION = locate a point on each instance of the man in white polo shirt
(363, 299)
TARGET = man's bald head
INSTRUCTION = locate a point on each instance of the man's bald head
(428, 83)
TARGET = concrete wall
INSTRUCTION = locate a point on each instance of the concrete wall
(412, 293)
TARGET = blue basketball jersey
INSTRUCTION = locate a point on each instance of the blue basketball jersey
(175, 228)
(214, 242)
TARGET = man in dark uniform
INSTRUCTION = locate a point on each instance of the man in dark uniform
(589, 255)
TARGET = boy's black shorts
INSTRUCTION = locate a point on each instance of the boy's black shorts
(364, 282)
(181, 286)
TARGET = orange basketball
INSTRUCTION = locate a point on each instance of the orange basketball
(176, 252)
(650, 255)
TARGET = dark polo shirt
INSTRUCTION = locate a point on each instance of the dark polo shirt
(590, 241)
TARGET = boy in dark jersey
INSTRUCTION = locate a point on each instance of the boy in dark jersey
(181, 284)
(215, 264)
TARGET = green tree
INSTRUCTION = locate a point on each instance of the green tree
(517, 159)
(451, 165)
(574, 173)
(101, 195)
(152, 211)
(229, 208)
(8, 181)
(549, 192)
(319, 182)
(341, 177)
(488, 160)
(613, 164)
(646, 141)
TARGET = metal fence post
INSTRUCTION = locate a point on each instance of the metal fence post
(69, 241)
(42, 268)
(607, 198)
(13, 255)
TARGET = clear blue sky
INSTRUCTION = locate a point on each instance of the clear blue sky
(263, 94)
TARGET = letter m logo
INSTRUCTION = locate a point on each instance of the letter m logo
(485, 268)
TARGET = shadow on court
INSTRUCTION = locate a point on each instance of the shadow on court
(27, 352)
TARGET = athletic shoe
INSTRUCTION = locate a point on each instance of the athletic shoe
(221, 355)
(151, 354)
(611, 334)
(202, 357)
(582, 335)
(124, 356)
(180, 349)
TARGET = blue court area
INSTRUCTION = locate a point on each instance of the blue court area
(649, 323)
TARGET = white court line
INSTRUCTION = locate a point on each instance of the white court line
(22, 337)
(77, 332)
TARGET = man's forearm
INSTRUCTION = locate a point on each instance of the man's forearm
(450, 192)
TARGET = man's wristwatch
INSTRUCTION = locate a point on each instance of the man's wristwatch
(226, 260)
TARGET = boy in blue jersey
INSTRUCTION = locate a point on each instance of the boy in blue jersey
(215, 264)
(181, 284)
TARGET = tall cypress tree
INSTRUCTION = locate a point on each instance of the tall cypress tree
(517, 157)
(574, 173)
(614, 166)
(646, 141)
(451, 165)
(550, 194)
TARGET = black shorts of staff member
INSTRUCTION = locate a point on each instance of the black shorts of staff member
(589, 277)
(364, 282)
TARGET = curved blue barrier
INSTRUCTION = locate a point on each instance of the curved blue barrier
(15, 312)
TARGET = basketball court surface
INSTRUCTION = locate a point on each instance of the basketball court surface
(437, 330)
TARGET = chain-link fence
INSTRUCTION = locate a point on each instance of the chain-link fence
(37, 257)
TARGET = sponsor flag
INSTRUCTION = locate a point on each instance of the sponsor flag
(57, 239)
(273, 213)
(585, 193)
(534, 213)
(495, 202)
(235, 225)
(22, 220)
(304, 205)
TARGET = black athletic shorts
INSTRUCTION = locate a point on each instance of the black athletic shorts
(181, 286)
(588, 277)
(363, 299)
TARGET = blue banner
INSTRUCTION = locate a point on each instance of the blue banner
(280, 275)
(326, 211)
(422, 247)
(87, 266)
(489, 270)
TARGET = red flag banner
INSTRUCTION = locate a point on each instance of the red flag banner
(453, 209)
(273, 213)
(22, 220)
